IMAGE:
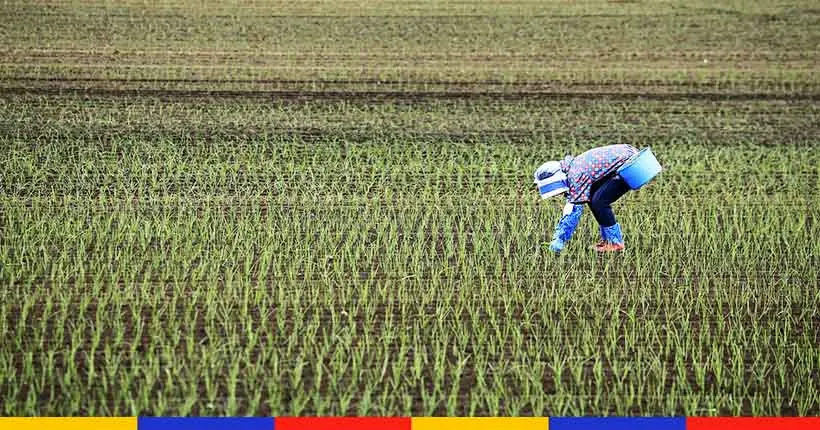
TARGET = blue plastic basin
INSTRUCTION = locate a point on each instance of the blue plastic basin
(640, 169)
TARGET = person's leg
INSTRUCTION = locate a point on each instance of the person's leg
(600, 203)
(604, 193)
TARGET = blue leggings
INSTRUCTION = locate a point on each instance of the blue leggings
(604, 193)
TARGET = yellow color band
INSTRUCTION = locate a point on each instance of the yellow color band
(78, 423)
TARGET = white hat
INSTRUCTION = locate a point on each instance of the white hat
(551, 181)
(545, 170)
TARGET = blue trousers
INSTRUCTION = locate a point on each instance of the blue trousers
(603, 193)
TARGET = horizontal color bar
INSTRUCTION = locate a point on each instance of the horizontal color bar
(341, 423)
(618, 423)
(401, 423)
(753, 423)
(480, 423)
(76, 423)
(205, 423)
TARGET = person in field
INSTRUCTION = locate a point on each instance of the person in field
(589, 179)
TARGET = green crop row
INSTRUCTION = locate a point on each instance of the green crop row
(695, 28)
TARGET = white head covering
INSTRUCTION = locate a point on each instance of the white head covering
(546, 169)
(551, 181)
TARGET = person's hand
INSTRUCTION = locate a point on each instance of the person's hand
(557, 245)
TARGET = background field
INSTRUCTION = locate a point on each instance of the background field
(282, 208)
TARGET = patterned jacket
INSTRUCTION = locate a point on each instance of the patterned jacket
(591, 166)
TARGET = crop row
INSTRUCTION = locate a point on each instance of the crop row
(113, 124)
(472, 242)
(424, 8)
(790, 27)
(412, 347)
(796, 79)
(283, 169)
(533, 114)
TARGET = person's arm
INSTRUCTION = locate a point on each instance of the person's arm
(565, 227)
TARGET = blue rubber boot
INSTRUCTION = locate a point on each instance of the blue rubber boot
(612, 239)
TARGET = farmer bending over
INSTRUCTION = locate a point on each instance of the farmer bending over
(589, 178)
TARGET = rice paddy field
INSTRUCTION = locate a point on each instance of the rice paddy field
(327, 208)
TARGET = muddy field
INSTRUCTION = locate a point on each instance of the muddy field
(327, 208)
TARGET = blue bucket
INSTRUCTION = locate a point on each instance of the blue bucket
(640, 169)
